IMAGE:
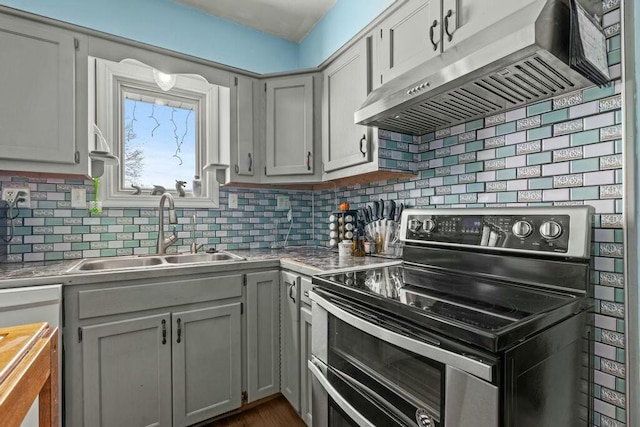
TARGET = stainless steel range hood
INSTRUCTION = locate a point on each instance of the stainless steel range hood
(521, 59)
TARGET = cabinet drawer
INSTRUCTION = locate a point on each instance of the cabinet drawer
(305, 287)
(126, 299)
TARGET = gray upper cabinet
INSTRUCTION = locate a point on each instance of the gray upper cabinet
(289, 126)
(347, 82)
(243, 155)
(409, 36)
(263, 334)
(126, 373)
(38, 107)
(290, 339)
(206, 363)
(462, 19)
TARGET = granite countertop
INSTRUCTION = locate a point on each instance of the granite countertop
(302, 259)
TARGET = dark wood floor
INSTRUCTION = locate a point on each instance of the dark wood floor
(274, 413)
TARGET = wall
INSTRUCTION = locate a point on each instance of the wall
(52, 230)
(174, 26)
(337, 27)
(171, 25)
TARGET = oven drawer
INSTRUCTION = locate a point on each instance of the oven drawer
(339, 401)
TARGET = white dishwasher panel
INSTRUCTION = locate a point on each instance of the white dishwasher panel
(21, 306)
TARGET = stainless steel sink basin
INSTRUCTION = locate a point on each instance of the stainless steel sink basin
(192, 258)
(117, 263)
(145, 262)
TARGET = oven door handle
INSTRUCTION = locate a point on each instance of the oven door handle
(463, 363)
(337, 397)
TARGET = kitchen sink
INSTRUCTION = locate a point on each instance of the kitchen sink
(117, 263)
(205, 257)
(146, 262)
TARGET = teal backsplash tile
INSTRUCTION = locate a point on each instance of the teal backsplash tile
(539, 108)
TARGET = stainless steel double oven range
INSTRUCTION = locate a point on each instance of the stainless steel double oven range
(485, 323)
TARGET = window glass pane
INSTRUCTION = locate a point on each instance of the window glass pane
(159, 142)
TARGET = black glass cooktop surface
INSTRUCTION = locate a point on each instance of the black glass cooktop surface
(488, 308)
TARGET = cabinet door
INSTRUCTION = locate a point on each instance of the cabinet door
(305, 356)
(242, 131)
(466, 18)
(263, 334)
(289, 115)
(347, 82)
(126, 372)
(410, 36)
(289, 344)
(206, 363)
(37, 83)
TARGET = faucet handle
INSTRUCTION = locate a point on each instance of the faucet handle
(171, 239)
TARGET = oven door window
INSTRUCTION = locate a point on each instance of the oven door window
(408, 383)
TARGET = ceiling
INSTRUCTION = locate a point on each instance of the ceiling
(288, 19)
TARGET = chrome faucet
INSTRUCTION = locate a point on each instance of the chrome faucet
(164, 243)
(195, 247)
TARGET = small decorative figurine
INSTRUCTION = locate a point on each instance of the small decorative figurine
(158, 190)
(180, 187)
(138, 190)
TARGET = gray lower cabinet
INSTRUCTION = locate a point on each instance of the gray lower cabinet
(149, 352)
(290, 339)
(207, 363)
(126, 372)
(135, 371)
(305, 356)
(263, 334)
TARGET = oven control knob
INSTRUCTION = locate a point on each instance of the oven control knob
(424, 419)
(550, 230)
(429, 225)
(414, 225)
(522, 229)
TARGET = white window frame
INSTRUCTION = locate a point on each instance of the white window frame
(109, 81)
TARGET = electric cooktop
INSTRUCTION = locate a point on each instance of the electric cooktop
(480, 311)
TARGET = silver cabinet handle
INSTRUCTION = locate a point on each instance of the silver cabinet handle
(431, 34)
(446, 24)
(363, 145)
(335, 395)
